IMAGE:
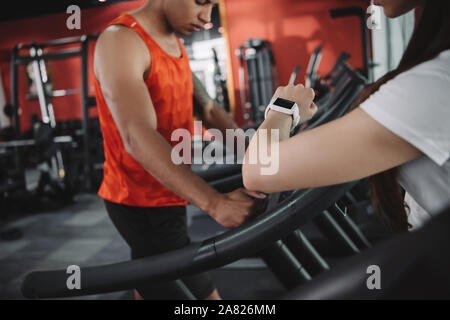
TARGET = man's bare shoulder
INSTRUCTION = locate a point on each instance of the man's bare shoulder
(120, 45)
(119, 38)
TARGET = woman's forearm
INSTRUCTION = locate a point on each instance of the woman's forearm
(263, 154)
(263, 146)
(277, 120)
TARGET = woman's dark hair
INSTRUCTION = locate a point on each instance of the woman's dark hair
(431, 36)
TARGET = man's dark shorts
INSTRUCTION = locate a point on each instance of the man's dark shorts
(153, 230)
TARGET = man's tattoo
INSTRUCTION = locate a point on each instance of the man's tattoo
(201, 97)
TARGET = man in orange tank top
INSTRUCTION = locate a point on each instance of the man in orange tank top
(145, 90)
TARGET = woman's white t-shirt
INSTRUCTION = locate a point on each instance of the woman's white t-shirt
(415, 105)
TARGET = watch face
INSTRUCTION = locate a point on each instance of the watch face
(283, 103)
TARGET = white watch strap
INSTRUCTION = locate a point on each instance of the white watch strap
(295, 115)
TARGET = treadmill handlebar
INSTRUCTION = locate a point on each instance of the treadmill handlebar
(217, 251)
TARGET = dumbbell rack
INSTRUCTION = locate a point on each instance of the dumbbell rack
(37, 57)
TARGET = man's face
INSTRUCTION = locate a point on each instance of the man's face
(187, 16)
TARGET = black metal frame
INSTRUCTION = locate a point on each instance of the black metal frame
(358, 12)
(259, 69)
(82, 52)
(252, 237)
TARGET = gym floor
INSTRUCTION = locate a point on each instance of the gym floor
(83, 234)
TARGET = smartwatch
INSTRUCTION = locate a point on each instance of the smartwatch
(287, 107)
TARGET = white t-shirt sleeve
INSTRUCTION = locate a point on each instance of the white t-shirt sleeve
(416, 106)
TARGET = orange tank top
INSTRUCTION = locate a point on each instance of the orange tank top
(170, 86)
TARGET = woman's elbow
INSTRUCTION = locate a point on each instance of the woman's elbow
(251, 179)
(247, 177)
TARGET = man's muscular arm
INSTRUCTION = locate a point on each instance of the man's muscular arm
(211, 113)
(121, 59)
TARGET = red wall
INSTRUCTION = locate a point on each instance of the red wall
(65, 73)
(295, 28)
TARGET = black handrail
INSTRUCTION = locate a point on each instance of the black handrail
(358, 12)
(412, 266)
(217, 251)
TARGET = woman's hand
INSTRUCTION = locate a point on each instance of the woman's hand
(302, 96)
